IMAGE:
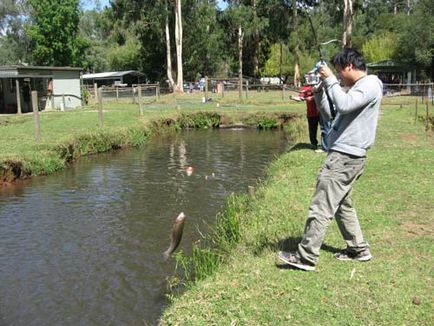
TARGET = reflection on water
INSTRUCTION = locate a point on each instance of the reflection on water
(84, 247)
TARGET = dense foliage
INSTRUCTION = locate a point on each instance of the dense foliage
(130, 34)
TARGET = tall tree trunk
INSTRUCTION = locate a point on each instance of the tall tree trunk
(256, 53)
(240, 58)
(280, 63)
(296, 50)
(348, 23)
(255, 44)
(178, 40)
(297, 75)
(168, 52)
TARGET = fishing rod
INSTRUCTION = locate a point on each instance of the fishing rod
(321, 62)
(315, 38)
(318, 44)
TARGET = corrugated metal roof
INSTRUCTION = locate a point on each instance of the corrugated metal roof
(31, 71)
(383, 63)
(111, 74)
(22, 67)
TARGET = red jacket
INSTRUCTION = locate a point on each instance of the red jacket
(307, 94)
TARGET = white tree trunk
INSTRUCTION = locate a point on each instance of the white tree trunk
(256, 43)
(297, 78)
(348, 23)
(168, 53)
(178, 40)
(296, 50)
(240, 58)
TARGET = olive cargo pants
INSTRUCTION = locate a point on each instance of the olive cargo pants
(332, 198)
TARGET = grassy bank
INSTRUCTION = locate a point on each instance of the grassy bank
(394, 200)
(65, 136)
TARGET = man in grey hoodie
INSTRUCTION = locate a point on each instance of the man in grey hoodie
(352, 134)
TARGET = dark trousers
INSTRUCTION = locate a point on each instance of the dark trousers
(313, 129)
(325, 127)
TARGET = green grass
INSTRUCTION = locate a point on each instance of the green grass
(394, 200)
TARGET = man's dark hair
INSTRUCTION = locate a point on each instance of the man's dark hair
(349, 56)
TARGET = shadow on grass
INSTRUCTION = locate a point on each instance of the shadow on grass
(283, 265)
(291, 244)
(301, 146)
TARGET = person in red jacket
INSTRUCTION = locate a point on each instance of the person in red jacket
(312, 114)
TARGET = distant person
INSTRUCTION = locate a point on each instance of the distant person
(352, 134)
(26, 92)
(202, 84)
(312, 112)
(48, 104)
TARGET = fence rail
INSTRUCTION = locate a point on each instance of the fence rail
(228, 91)
(417, 97)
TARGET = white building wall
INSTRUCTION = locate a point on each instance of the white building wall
(68, 83)
(270, 80)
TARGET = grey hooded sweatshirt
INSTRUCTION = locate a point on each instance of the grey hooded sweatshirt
(354, 127)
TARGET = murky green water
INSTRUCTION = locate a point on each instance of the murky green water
(84, 246)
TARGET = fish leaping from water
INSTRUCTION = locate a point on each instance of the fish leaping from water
(176, 235)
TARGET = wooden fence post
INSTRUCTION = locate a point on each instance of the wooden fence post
(51, 99)
(100, 116)
(158, 91)
(240, 89)
(117, 93)
(17, 87)
(247, 89)
(206, 88)
(35, 109)
(415, 113)
(62, 104)
(95, 91)
(139, 90)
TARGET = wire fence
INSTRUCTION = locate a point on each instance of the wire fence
(230, 92)
(147, 93)
(417, 97)
(227, 92)
(408, 89)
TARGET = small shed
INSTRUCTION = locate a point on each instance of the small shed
(392, 72)
(57, 87)
(114, 78)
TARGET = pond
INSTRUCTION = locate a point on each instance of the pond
(84, 246)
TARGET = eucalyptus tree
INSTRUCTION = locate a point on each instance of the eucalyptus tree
(168, 50)
(416, 41)
(178, 42)
(14, 42)
(242, 17)
(239, 17)
(150, 23)
(53, 28)
(142, 22)
(275, 41)
(96, 27)
(204, 48)
(348, 23)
